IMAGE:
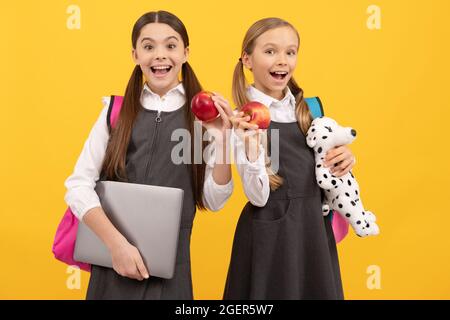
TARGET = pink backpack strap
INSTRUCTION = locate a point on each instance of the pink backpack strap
(115, 105)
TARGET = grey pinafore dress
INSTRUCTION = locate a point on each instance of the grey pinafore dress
(286, 249)
(148, 161)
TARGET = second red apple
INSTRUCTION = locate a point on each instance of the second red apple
(259, 114)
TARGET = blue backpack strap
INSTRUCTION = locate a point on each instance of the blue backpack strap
(315, 107)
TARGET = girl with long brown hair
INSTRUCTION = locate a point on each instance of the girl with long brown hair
(284, 248)
(139, 150)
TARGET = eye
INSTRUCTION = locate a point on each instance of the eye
(148, 47)
(270, 51)
(292, 53)
(172, 46)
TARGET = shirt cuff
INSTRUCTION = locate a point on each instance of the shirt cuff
(215, 195)
(81, 200)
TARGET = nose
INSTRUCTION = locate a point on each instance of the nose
(282, 60)
(160, 54)
(353, 132)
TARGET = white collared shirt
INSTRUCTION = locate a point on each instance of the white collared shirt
(253, 175)
(81, 195)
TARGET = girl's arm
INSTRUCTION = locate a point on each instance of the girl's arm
(250, 160)
(218, 185)
(126, 259)
(252, 171)
(85, 204)
(81, 195)
(222, 169)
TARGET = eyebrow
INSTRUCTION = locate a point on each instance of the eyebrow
(274, 45)
(166, 39)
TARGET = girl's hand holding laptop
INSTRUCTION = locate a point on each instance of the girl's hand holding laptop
(127, 261)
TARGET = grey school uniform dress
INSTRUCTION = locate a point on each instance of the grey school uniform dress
(148, 161)
(286, 249)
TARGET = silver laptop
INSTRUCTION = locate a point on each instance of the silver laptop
(149, 218)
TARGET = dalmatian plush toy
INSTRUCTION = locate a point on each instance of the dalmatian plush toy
(341, 194)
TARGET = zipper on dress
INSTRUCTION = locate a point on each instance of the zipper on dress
(158, 120)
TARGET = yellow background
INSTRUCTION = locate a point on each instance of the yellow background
(389, 84)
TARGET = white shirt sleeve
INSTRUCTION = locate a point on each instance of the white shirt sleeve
(214, 195)
(81, 195)
(253, 175)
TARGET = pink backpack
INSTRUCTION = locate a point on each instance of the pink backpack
(66, 234)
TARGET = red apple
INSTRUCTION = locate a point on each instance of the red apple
(259, 114)
(203, 107)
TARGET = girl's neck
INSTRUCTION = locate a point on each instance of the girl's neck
(278, 95)
(162, 92)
